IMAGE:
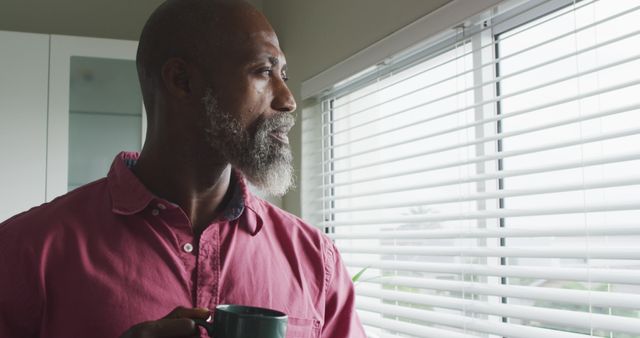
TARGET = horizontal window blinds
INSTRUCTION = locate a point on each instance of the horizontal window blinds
(489, 184)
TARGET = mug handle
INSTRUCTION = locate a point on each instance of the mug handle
(206, 325)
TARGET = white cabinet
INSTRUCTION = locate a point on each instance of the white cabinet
(24, 72)
(68, 105)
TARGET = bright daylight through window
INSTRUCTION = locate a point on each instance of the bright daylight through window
(488, 182)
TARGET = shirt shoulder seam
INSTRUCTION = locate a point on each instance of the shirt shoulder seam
(328, 258)
(50, 204)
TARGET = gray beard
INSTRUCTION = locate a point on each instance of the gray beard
(265, 162)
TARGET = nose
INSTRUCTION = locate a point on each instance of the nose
(283, 100)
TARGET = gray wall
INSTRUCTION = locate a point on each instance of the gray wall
(318, 34)
(117, 19)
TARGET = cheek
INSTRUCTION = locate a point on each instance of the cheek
(256, 104)
(260, 98)
(249, 101)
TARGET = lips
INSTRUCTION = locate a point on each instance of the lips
(280, 135)
(278, 127)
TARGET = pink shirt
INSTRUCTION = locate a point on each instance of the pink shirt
(110, 254)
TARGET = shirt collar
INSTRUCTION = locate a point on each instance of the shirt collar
(252, 203)
(129, 196)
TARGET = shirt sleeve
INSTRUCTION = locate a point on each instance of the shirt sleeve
(341, 318)
(20, 298)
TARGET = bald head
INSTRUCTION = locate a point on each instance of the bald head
(213, 79)
(197, 31)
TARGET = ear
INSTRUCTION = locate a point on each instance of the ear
(175, 77)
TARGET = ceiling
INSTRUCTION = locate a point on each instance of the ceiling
(116, 19)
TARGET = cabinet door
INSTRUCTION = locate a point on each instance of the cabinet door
(24, 70)
(95, 109)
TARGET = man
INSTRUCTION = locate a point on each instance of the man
(175, 230)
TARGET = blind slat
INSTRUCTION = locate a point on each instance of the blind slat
(502, 213)
(577, 252)
(599, 184)
(543, 230)
(586, 274)
(557, 295)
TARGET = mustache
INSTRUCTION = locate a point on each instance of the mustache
(282, 121)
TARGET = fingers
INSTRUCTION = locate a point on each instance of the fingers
(179, 323)
(163, 328)
(194, 313)
(171, 328)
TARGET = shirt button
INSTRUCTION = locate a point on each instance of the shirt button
(161, 206)
(188, 248)
(155, 212)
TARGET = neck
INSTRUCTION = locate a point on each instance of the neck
(199, 186)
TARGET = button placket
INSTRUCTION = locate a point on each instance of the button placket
(178, 224)
(208, 268)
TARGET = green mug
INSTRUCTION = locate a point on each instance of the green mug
(239, 321)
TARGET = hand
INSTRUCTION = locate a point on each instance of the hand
(177, 324)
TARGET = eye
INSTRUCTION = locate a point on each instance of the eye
(267, 72)
(284, 75)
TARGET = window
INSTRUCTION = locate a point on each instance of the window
(488, 183)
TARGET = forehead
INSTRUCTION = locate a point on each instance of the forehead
(257, 46)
